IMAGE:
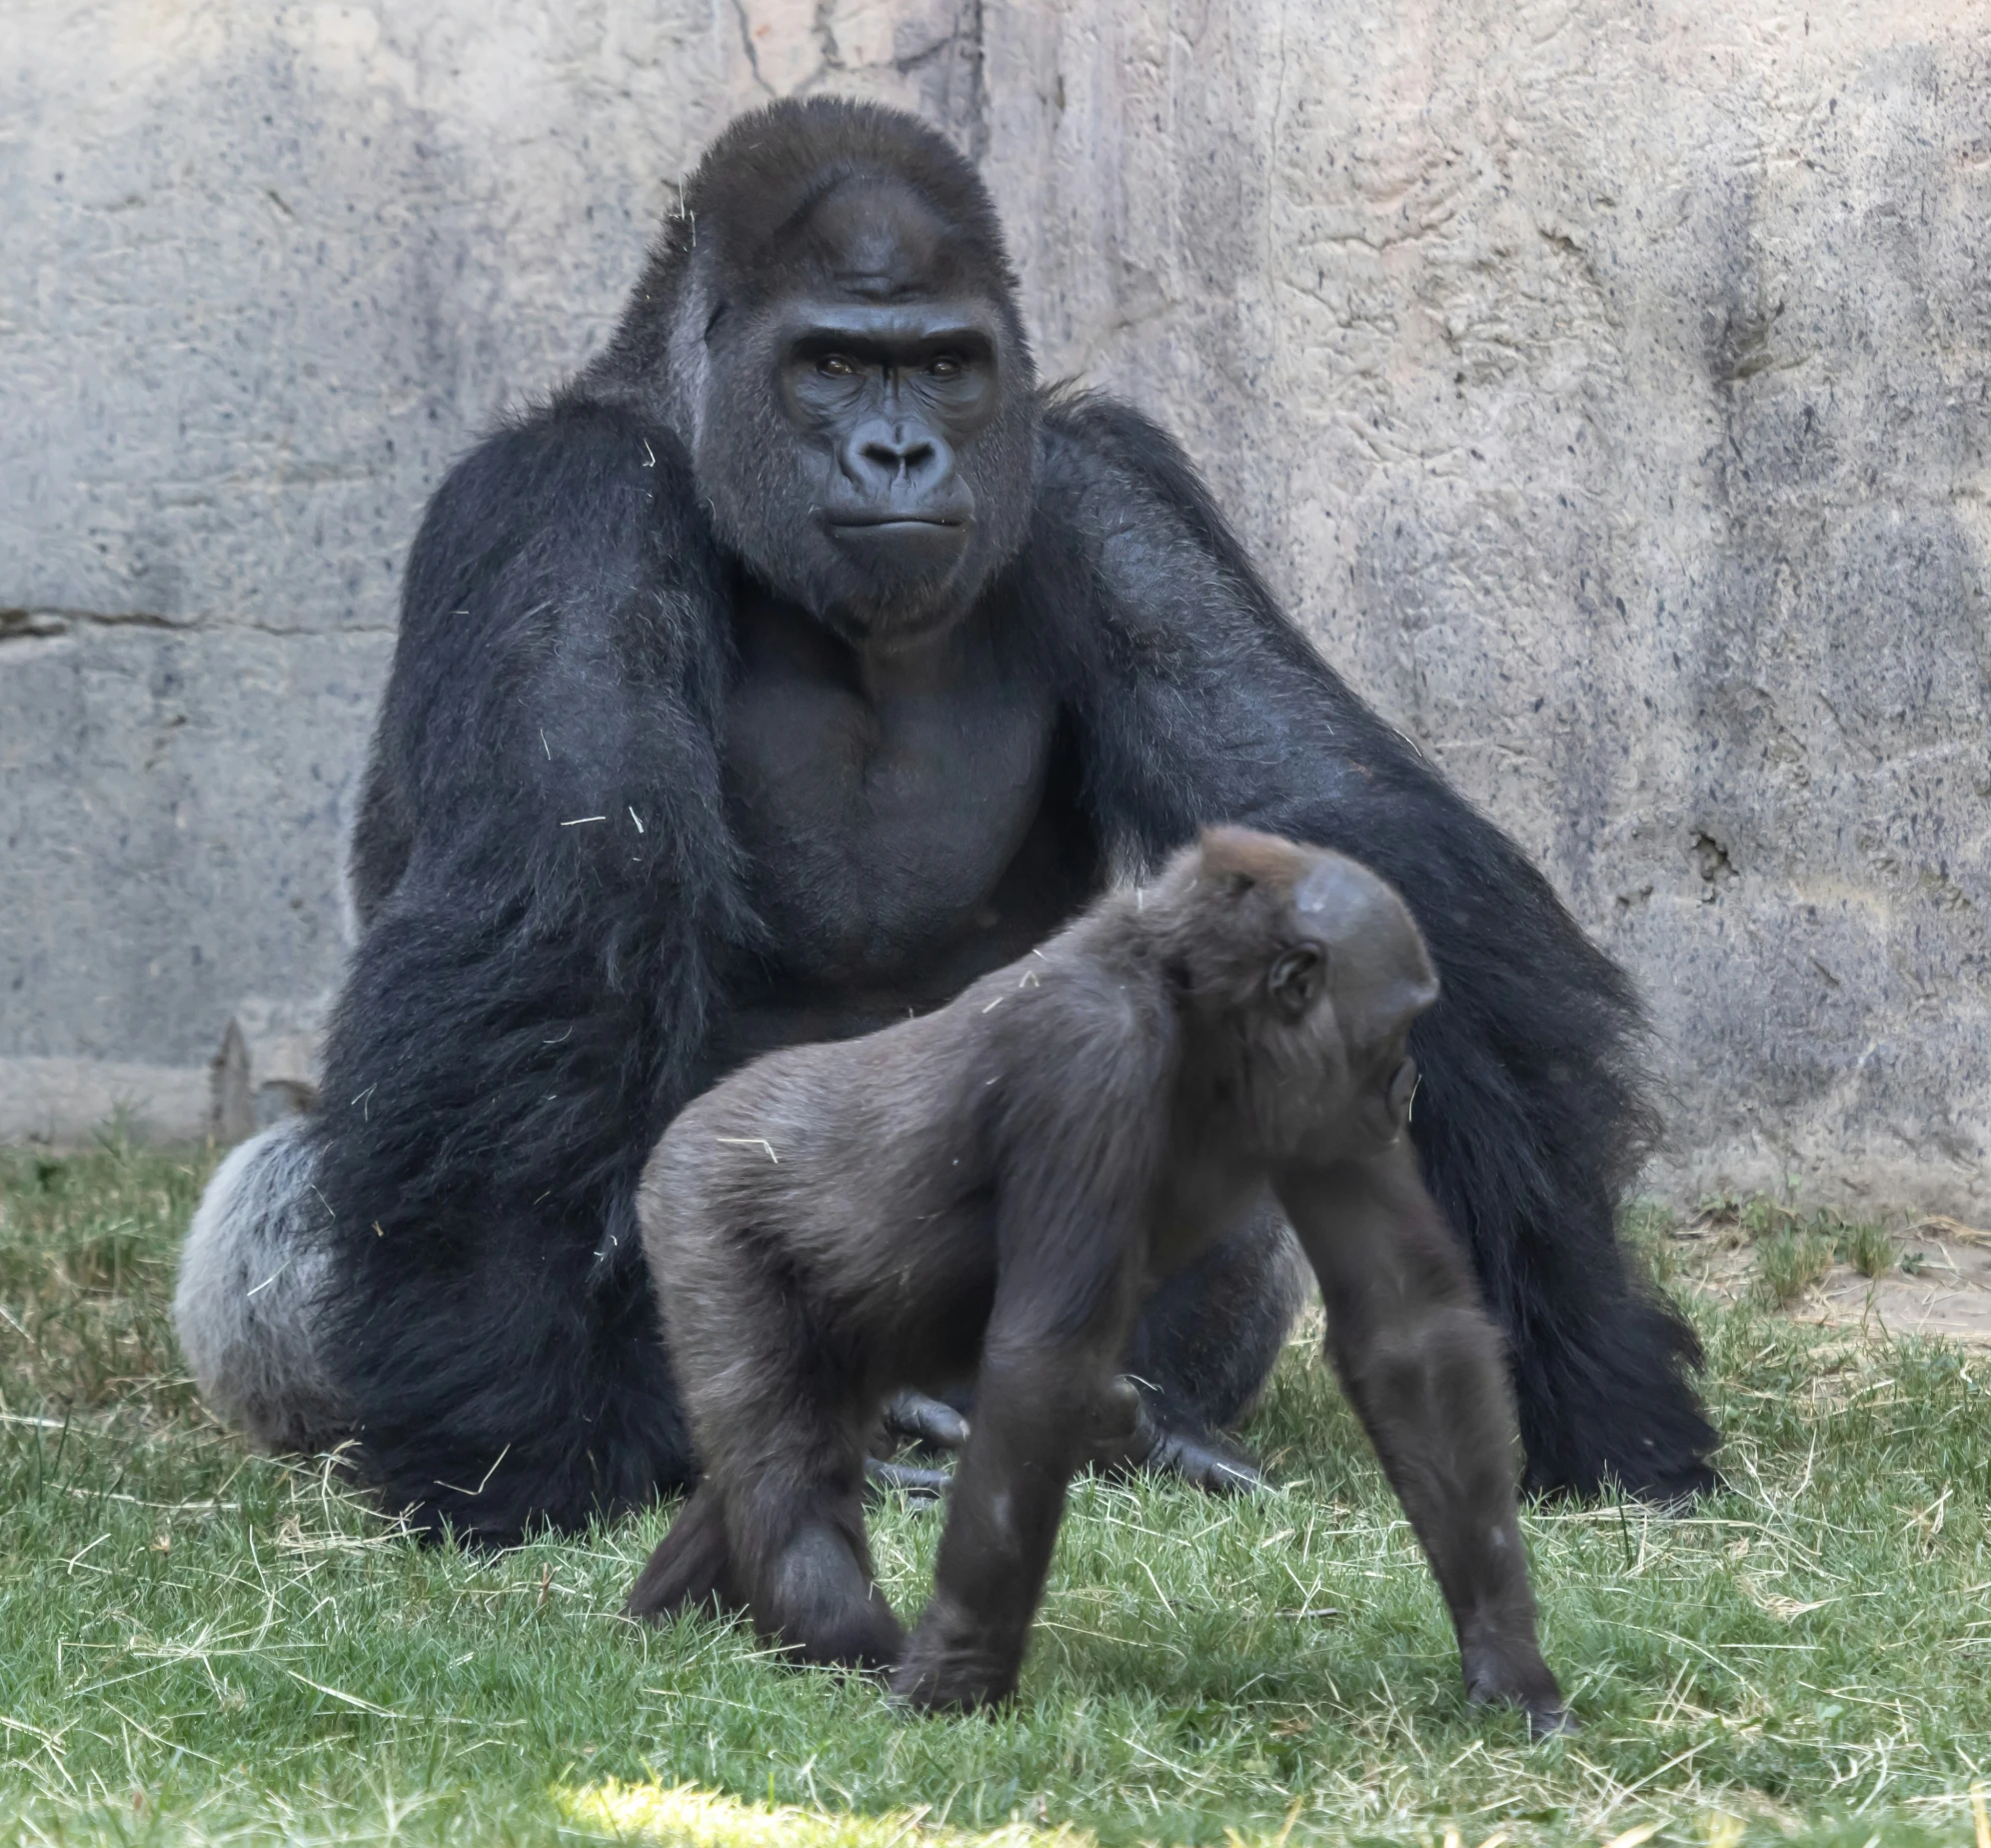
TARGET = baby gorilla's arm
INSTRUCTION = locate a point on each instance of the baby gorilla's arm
(1422, 1365)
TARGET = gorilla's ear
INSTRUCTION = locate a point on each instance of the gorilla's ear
(1296, 976)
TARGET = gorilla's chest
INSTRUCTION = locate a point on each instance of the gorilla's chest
(881, 804)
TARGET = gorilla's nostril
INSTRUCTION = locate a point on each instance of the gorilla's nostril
(895, 460)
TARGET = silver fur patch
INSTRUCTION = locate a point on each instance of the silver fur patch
(246, 1306)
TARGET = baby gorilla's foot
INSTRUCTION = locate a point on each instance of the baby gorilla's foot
(818, 1600)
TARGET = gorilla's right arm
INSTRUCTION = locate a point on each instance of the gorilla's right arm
(1199, 701)
(548, 879)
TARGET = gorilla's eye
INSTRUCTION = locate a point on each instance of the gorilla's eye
(1296, 978)
(836, 366)
(943, 366)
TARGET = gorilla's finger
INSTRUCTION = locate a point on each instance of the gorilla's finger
(1205, 1463)
(1158, 1449)
(919, 1484)
(925, 1420)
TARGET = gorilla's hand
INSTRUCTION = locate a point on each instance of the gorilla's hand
(1204, 1463)
(1181, 1451)
(932, 1423)
(929, 1425)
(909, 1479)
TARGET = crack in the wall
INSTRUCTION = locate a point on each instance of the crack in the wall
(978, 131)
(21, 624)
(824, 28)
(38, 625)
(954, 95)
(747, 42)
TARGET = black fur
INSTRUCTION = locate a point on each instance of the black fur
(533, 1001)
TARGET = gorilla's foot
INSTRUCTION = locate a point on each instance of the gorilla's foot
(247, 1306)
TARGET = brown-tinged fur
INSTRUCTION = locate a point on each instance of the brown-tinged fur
(995, 1188)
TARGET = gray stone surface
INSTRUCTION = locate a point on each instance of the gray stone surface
(1605, 386)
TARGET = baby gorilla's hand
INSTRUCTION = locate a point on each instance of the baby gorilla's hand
(1507, 1671)
(954, 1664)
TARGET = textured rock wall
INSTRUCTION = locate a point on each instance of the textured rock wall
(1605, 386)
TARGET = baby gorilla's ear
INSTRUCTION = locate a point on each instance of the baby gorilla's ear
(1296, 976)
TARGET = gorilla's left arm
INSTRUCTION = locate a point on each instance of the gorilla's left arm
(1196, 701)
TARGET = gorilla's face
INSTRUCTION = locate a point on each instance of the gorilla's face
(867, 442)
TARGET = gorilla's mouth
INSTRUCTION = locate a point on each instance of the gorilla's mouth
(892, 544)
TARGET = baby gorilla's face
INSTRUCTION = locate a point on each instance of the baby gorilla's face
(1327, 1072)
(1302, 973)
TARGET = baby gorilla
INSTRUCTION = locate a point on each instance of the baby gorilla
(995, 1188)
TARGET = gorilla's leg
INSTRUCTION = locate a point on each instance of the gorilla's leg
(252, 1283)
(1205, 1344)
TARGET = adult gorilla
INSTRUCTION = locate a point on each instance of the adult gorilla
(796, 665)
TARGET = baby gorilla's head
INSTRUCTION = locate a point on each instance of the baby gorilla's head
(1301, 972)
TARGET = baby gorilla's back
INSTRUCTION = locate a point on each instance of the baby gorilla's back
(849, 1182)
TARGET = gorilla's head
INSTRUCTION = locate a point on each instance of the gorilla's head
(830, 327)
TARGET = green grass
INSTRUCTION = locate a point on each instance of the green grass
(200, 1646)
(1870, 1249)
(1790, 1261)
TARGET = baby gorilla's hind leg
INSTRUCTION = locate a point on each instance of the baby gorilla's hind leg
(785, 1435)
(797, 1528)
(690, 1566)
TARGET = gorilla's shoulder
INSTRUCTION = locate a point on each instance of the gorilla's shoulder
(553, 465)
(573, 503)
(1088, 441)
(1103, 465)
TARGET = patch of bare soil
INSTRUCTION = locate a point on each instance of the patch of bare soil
(1939, 1285)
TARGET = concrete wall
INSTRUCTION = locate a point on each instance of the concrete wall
(1604, 385)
